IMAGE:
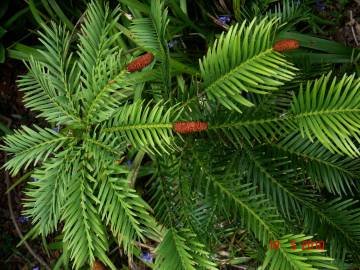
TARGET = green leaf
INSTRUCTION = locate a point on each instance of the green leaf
(337, 221)
(96, 40)
(329, 111)
(325, 169)
(32, 146)
(108, 87)
(58, 61)
(42, 94)
(46, 196)
(179, 250)
(316, 43)
(2, 53)
(243, 61)
(145, 127)
(84, 233)
(124, 211)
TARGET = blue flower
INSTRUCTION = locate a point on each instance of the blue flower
(129, 163)
(146, 257)
(320, 6)
(172, 43)
(36, 268)
(34, 179)
(224, 19)
(23, 219)
(56, 129)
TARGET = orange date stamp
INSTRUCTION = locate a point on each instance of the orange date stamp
(305, 245)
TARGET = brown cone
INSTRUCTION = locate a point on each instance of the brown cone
(286, 45)
(98, 266)
(140, 62)
(189, 127)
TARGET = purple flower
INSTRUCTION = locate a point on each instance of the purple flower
(36, 268)
(129, 163)
(224, 19)
(23, 219)
(320, 6)
(56, 129)
(146, 257)
(172, 43)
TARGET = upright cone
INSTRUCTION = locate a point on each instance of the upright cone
(98, 266)
(140, 62)
(189, 127)
(286, 45)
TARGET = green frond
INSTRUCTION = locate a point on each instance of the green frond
(104, 147)
(243, 61)
(32, 146)
(249, 126)
(325, 169)
(172, 196)
(144, 127)
(164, 200)
(188, 97)
(329, 111)
(150, 34)
(96, 39)
(47, 96)
(58, 61)
(337, 222)
(145, 34)
(253, 208)
(84, 233)
(108, 86)
(289, 13)
(180, 250)
(46, 196)
(277, 180)
(123, 210)
(292, 256)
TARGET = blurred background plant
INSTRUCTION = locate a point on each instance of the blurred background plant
(19, 21)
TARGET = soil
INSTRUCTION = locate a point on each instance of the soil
(349, 32)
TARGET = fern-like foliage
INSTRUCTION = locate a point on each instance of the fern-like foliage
(274, 149)
(181, 250)
(328, 111)
(151, 34)
(334, 172)
(148, 129)
(243, 61)
(338, 224)
(122, 209)
(87, 94)
(31, 146)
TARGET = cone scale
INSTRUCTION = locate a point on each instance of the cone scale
(140, 62)
(286, 45)
(189, 127)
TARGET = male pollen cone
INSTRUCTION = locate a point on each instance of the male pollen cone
(98, 266)
(188, 127)
(286, 45)
(140, 62)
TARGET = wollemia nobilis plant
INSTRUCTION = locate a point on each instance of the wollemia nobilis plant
(246, 149)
